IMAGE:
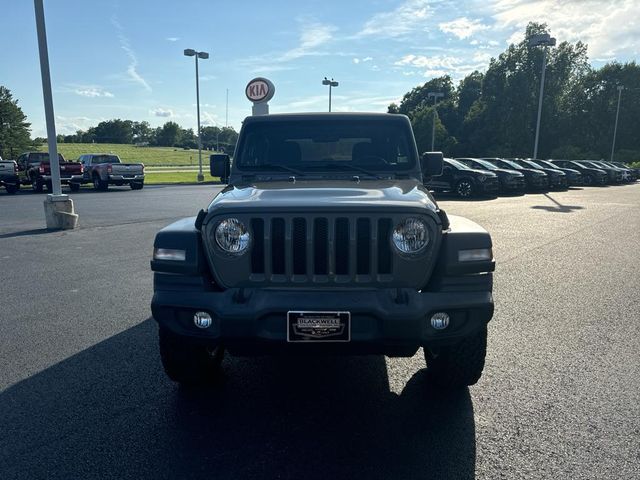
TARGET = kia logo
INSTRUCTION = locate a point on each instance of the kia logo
(260, 90)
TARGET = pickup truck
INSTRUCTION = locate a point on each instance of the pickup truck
(9, 175)
(324, 241)
(105, 169)
(34, 169)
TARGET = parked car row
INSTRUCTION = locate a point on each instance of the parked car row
(101, 170)
(467, 177)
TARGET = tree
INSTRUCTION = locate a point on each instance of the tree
(114, 131)
(168, 135)
(142, 132)
(15, 131)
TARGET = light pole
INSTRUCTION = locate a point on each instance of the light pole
(331, 83)
(203, 55)
(435, 96)
(543, 40)
(615, 128)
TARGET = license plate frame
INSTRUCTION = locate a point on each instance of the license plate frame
(312, 326)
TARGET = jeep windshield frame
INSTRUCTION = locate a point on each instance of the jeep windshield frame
(337, 146)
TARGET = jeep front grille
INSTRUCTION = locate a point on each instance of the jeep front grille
(320, 247)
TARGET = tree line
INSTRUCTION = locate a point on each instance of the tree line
(494, 113)
(168, 135)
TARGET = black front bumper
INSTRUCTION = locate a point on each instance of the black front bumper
(490, 186)
(393, 322)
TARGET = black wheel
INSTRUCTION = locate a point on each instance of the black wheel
(74, 187)
(136, 185)
(588, 180)
(37, 185)
(189, 363)
(49, 185)
(99, 184)
(11, 189)
(464, 188)
(458, 365)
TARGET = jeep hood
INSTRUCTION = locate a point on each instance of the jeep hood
(318, 195)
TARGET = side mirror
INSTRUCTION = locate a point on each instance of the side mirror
(220, 166)
(431, 163)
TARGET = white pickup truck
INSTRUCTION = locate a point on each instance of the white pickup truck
(9, 175)
(106, 169)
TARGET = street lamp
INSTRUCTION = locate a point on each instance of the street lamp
(615, 128)
(435, 96)
(543, 40)
(203, 55)
(331, 83)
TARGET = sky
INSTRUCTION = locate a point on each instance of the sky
(124, 59)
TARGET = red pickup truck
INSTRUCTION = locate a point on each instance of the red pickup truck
(34, 169)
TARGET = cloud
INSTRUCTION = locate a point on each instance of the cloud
(608, 29)
(313, 34)
(92, 92)
(462, 27)
(207, 78)
(362, 60)
(399, 22)
(438, 65)
(173, 39)
(132, 69)
(161, 112)
(70, 125)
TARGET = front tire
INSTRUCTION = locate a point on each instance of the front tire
(465, 188)
(11, 189)
(74, 187)
(37, 185)
(460, 365)
(186, 362)
(136, 185)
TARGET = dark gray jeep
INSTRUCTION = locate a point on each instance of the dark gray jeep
(324, 241)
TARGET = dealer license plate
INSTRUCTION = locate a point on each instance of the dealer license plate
(318, 326)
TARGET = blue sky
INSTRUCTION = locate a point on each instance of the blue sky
(123, 59)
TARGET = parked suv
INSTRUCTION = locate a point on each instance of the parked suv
(104, 169)
(464, 181)
(557, 178)
(590, 174)
(324, 241)
(510, 180)
(536, 179)
(613, 174)
(574, 177)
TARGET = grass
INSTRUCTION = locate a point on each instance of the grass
(150, 156)
(151, 178)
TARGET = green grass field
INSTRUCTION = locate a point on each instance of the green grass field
(176, 177)
(131, 154)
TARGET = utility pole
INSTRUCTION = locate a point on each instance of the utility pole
(226, 115)
(331, 83)
(435, 96)
(58, 208)
(544, 40)
(615, 128)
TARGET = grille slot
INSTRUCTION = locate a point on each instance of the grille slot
(257, 251)
(277, 246)
(321, 250)
(384, 247)
(299, 243)
(342, 246)
(363, 246)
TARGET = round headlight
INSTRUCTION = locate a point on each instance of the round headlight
(232, 236)
(411, 235)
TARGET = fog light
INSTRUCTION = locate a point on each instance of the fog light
(440, 320)
(202, 320)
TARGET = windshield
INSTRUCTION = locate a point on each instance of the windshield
(508, 164)
(485, 164)
(533, 164)
(457, 164)
(321, 146)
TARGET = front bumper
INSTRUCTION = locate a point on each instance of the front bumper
(537, 182)
(513, 184)
(393, 322)
(558, 182)
(489, 186)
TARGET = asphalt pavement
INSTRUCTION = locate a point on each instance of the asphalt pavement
(83, 395)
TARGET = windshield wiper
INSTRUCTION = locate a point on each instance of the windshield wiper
(282, 167)
(350, 167)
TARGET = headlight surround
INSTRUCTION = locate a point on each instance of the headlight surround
(481, 178)
(232, 236)
(410, 236)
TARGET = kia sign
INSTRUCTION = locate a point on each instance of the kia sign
(260, 90)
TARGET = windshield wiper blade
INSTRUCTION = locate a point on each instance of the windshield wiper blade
(350, 167)
(282, 167)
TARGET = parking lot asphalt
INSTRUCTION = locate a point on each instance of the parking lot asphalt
(83, 395)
